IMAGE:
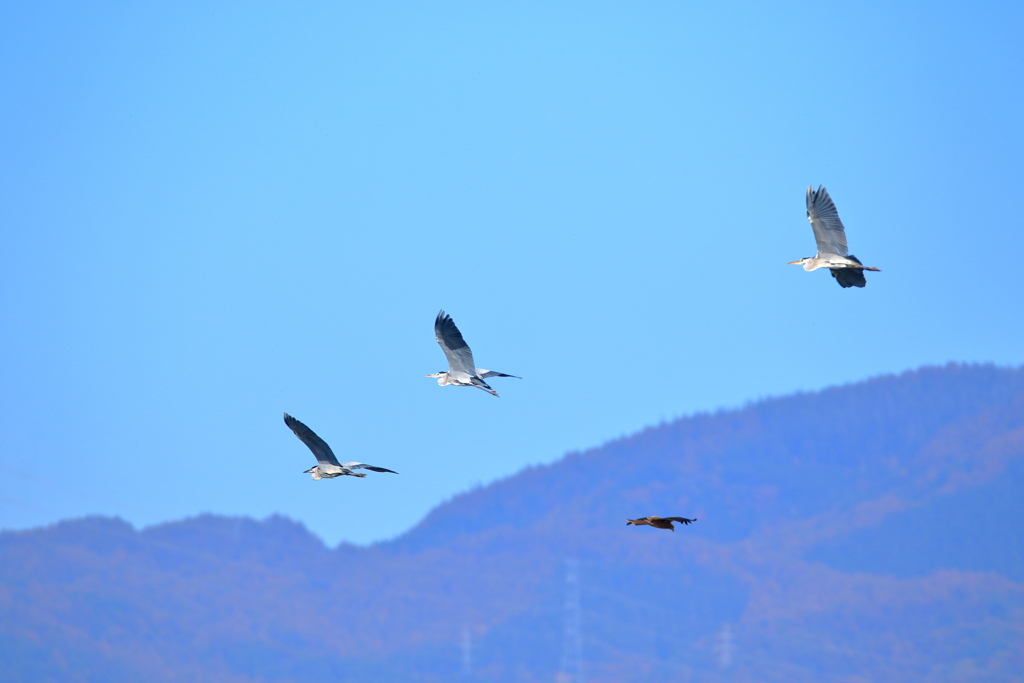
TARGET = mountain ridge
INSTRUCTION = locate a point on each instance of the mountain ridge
(839, 537)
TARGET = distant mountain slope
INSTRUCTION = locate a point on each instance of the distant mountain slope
(865, 532)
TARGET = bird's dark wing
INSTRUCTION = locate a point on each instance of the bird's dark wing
(460, 358)
(364, 466)
(320, 449)
(829, 233)
(681, 520)
(849, 277)
(484, 374)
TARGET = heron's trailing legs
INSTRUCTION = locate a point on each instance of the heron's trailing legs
(480, 384)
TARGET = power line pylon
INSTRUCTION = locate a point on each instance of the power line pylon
(571, 670)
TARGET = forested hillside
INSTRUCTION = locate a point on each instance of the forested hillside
(866, 532)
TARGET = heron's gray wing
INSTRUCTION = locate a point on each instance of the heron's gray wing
(320, 449)
(460, 358)
(364, 466)
(829, 232)
(681, 520)
(849, 277)
(484, 374)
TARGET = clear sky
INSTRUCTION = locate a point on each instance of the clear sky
(215, 212)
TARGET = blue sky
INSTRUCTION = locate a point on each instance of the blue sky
(213, 213)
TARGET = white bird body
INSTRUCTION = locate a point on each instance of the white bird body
(329, 471)
(462, 371)
(829, 261)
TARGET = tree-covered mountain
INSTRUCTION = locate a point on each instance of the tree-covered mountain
(867, 532)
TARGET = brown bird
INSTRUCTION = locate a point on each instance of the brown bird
(659, 522)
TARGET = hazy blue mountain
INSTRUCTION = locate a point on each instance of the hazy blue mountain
(866, 532)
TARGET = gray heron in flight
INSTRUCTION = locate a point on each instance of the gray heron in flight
(659, 522)
(831, 238)
(327, 465)
(462, 371)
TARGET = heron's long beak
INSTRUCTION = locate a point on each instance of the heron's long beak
(793, 263)
(436, 374)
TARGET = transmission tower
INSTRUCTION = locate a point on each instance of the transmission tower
(725, 648)
(467, 652)
(571, 670)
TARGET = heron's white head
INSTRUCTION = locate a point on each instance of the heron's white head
(442, 378)
(315, 471)
(808, 262)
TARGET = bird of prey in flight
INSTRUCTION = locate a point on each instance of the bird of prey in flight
(659, 522)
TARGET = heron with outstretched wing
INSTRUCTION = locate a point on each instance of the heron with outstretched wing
(327, 466)
(462, 370)
(830, 236)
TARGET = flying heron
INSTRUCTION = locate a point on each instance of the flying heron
(462, 371)
(831, 238)
(659, 522)
(327, 465)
